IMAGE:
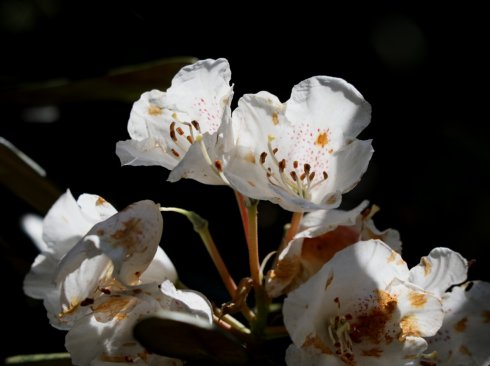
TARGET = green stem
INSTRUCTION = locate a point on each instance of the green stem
(253, 242)
(292, 230)
(261, 299)
(243, 212)
(200, 226)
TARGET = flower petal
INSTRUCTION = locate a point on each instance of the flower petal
(302, 154)
(160, 269)
(188, 301)
(68, 221)
(463, 338)
(130, 239)
(165, 125)
(438, 271)
(105, 337)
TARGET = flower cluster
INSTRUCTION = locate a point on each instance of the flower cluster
(344, 293)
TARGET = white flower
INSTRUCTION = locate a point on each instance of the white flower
(65, 224)
(440, 270)
(323, 233)
(361, 310)
(465, 333)
(180, 129)
(302, 154)
(77, 259)
(105, 335)
(463, 337)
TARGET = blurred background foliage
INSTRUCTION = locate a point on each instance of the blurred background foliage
(69, 72)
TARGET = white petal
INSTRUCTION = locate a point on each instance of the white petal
(186, 301)
(68, 221)
(312, 136)
(463, 338)
(64, 225)
(352, 274)
(33, 227)
(319, 222)
(160, 269)
(105, 336)
(310, 356)
(40, 278)
(130, 239)
(81, 273)
(160, 122)
(330, 103)
(195, 166)
(438, 271)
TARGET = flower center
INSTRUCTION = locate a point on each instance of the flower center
(296, 178)
(339, 330)
(183, 142)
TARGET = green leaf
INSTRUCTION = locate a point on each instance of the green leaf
(123, 84)
(186, 337)
(48, 359)
(25, 178)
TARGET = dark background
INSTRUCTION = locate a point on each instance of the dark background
(421, 69)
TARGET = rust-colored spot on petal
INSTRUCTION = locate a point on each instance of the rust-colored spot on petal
(88, 301)
(322, 139)
(464, 350)
(315, 342)
(460, 326)
(275, 118)
(154, 110)
(486, 316)
(104, 357)
(115, 307)
(409, 327)
(427, 265)
(417, 299)
(332, 199)
(319, 250)
(286, 269)
(329, 280)
(372, 323)
(100, 201)
(392, 257)
(373, 352)
(250, 157)
(129, 227)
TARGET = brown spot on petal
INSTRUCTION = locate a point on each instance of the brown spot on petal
(129, 227)
(115, 358)
(250, 157)
(88, 301)
(114, 307)
(285, 269)
(329, 280)
(315, 342)
(409, 327)
(417, 299)
(154, 110)
(486, 316)
(100, 201)
(275, 118)
(427, 265)
(373, 352)
(319, 250)
(372, 322)
(460, 326)
(392, 257)
(251, 183)
(322, 139)
(332, 199)
(464, 350)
